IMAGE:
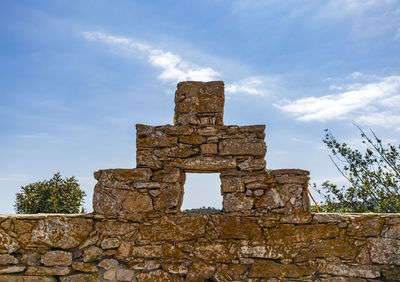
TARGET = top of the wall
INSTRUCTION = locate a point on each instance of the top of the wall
(199, 103)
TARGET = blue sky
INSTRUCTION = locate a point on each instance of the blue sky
(76, 76)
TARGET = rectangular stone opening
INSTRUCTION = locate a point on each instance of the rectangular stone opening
(202, 190)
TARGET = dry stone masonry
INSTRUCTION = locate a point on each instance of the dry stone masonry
(137, 232)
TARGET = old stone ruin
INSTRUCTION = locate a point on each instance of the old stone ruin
(137, 232)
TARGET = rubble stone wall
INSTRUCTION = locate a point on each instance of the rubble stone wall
(137, 232)
(200, 247)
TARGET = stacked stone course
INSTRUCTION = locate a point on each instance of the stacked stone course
(137, 232)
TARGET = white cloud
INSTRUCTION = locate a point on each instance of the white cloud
(355, 103)
(385, 119)
(173, 68)
(250, 85)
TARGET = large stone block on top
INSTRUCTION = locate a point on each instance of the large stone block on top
(199, 103)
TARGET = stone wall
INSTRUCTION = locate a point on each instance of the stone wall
(200, 246)
(265, 231)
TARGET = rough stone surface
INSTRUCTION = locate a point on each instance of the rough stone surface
(60, 258)
(265, 232)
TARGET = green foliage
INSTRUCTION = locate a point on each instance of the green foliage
(56, 195)
(204, 209)
(374, 177)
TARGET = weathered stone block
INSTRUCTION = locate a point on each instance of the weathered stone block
(236, 227)
(231, 184)
(48, 271)
(59, 258)
(209, 149)
(267, 268)
(84, 267)
(8, 259)
(240, 147)
(236, 202)
(5, 269)
(204, 164)
(202, 101)
(155, 142)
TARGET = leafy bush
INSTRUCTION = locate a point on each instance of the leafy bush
(56, 195)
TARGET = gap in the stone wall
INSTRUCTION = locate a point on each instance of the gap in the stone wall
(202, 190)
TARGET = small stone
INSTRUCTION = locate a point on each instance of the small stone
(158, 275)
(242, 147)
(236, 202)
(108, 263)
(252, 164)
(209, 149)
(125, 274)
(31, 259)
(192, 139)
(49, 271)
(60, 258)
(84, 267)
(26, 278)
(12, 269)
(110, 243)
(258, 192)
(146, 265)
(231, 184)
(154, 193)
(8, 259)
(110, 274)
(137, 202)
(91, 253)
(81, 277)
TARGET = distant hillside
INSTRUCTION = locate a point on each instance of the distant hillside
(204, 209)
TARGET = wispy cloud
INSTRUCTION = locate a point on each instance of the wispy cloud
(250, 85)
(362, 103)
(173, 67)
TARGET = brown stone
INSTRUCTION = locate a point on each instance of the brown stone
(26, 278)
(11, 268)
(8, 243)
(146, 158)
(44, 270)
(212, 251)
(8, 259)
(124, 175)
(31, 258)
(328, 249)
(301, 233)
(365, 226)
(153, 251)
(236, 202)
(60, 258)
(178, 130)
(264, 251)
(205, 164)
(252, 164)
(269, 269)
(82, 277)
(91, 253)
(240, 147)
(174, 228)
(235, 227)
(158, 275)
(108, 263)
(169, 175)
(192, 139)
(84, 267)
(170, 197)
(270, 200)
(110, 243)
(137, 202)
(199, 99)
(154, 142)
(125, 274)
(210, 149)
(200, 271)
(145, 265)
(115, 228)
(391, 272)
(231, 184)
(384, 250)
(176, 267)
(61, 232)
(351, 270)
